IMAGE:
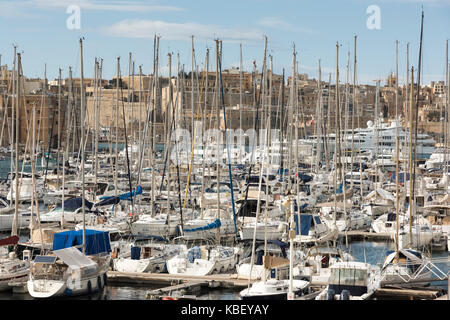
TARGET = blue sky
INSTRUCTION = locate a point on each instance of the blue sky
(113, 28)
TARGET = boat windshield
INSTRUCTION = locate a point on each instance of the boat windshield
(348, 276)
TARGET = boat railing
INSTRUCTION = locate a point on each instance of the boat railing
(420, 268)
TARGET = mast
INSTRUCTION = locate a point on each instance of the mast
(411, 165)
(406, 103)
(417, 103)
(34, 200)
(169, 122)
(13, 107)
(337, 136)
(219, 154)
(155, 100)
(192, 87)
(240, 94)
(95, 114)
(82, 146)
(116, 162)
(397, 155)
(17, 191)
(446, 118)
(59, 122)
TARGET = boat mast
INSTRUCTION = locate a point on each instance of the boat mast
(446, 131)
(95, 114)
(117, 130)
(219, 154)
(240, 96)
(59, 123)
(203, 144)
(17, 191)
(337, 135)
(319, 132)
(406, 105)
(417, 103)
(411, 165)
(375, 128)
(358, 115)
(35, 200)
(155, 100)
(13, 111)
(397, 155)
(82, 146)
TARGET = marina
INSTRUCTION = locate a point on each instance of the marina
(202, 182)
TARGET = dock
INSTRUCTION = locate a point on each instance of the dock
(191, 286)
(422, 293)
(212, 281)
(365, 235)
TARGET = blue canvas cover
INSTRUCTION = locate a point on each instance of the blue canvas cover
(304, 177)
(125, 196)
(75, 203)
(108, 201)
(212, 225)
(96, 241)
(305, 223)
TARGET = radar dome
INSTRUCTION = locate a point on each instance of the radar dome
(369, 124)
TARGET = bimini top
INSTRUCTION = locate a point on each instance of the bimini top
(96, 241)
(412, 255)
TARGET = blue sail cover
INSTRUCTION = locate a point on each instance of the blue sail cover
(75, 203)
(108, 201)
(125, 196)
(96, 241)
(304, 177)
(305, 223)
(212, 225)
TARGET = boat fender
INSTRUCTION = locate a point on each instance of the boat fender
(68, 292)
(89, 286)
(345, 295)
(330, 294)
(99, 282)
(104, 279)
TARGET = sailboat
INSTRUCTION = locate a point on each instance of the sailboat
(203, 260)
(66, 271)
(12, 269)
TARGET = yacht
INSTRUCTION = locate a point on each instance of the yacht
(382, 133)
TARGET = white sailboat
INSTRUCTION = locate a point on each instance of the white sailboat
(203, 260)
(12, 269)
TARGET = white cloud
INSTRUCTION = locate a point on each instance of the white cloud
(136, 28)
(277, 23)
(13, 9)
(107, 5)
(24, 8)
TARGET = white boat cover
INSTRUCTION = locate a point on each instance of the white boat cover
(380, 193)
(73, 257)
